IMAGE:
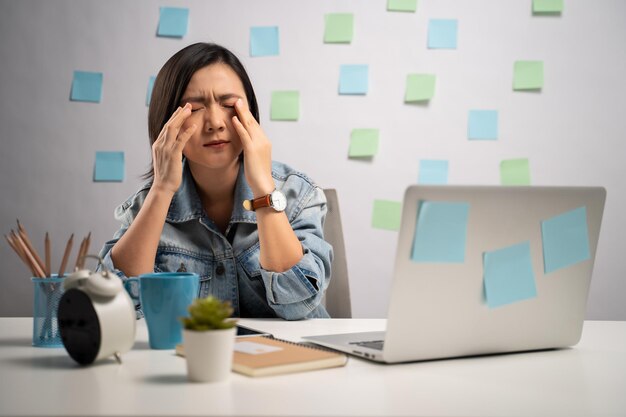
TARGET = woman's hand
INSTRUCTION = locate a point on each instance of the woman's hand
(257, 150)
(167, 151)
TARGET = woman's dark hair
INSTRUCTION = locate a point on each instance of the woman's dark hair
(171, 83)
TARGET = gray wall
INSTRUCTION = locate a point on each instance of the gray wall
(573, 131)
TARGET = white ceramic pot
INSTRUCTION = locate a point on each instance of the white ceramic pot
(209, 354)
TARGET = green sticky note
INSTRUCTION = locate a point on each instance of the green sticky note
(515, 172)
(401, 5)
(363, 143)
(386, 214)
(528, 75)
(285, 105)
(339, 28)
(419, 87)
(547, 6)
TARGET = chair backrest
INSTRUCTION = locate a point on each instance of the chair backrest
(337, 297)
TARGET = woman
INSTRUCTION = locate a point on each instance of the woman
(210, 158)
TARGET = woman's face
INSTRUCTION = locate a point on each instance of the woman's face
(212, 93)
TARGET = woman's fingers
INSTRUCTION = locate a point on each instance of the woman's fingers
(184, 137)
(242, 132)
(246, 118)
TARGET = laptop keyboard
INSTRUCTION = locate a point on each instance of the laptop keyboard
(374, 344)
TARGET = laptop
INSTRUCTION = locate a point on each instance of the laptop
(483, 270)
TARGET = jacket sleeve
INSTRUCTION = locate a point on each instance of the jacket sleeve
(125, 214)
(294, 294)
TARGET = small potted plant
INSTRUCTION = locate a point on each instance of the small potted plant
(208, 339)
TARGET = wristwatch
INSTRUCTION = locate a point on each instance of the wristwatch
(276, 200)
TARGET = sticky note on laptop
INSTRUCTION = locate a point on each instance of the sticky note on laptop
(508, 275)
(440, 232)
(565, 239)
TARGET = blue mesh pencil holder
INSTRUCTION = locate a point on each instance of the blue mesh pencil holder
(46, 292)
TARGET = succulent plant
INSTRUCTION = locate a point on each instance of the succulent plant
(209, 313)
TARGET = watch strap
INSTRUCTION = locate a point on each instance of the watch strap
(263, 201)
(257, 203)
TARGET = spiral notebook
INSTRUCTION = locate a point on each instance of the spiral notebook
(266, 355)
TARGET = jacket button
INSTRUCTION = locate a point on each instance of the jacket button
(220, 269)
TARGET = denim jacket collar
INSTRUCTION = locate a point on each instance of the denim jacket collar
(186, 204)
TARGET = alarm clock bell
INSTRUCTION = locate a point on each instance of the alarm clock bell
(96, 316)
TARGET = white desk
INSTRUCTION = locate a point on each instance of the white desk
(588, 380)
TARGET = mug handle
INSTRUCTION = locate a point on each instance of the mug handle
(128, 287)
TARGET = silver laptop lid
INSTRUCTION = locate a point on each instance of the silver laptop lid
(440, 300)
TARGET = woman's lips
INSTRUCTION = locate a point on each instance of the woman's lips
(216, 144)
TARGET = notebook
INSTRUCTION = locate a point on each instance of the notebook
(266, 355)
(482, 270)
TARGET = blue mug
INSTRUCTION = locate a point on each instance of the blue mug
(164, 298)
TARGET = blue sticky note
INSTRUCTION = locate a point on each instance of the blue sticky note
(264, 41)
(87, 86)
(173, 22)
(483, 124)
(353, 79)
(508, 275)
(109, 167)
(150, 87)
(442, 33)
(434, 172)
(565, 239)
(440, 232)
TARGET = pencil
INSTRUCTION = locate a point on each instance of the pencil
(66, 255)
(19, 252)
(38, 270)
(79, 255)
(24, 237)
(86, 250)
(47, 246)
(18, 247)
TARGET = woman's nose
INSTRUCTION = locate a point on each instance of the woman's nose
(214, 120)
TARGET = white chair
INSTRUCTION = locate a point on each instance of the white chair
(337, 297)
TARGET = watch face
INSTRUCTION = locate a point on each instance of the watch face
(279, 202)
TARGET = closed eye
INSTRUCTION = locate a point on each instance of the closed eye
(195, 110)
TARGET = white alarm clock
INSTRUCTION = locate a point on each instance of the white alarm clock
(96, 316)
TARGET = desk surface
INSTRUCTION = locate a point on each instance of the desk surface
(589, 379)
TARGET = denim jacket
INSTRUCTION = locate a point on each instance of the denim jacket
(228, 264)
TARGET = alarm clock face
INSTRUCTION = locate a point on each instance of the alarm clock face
(79, 326)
